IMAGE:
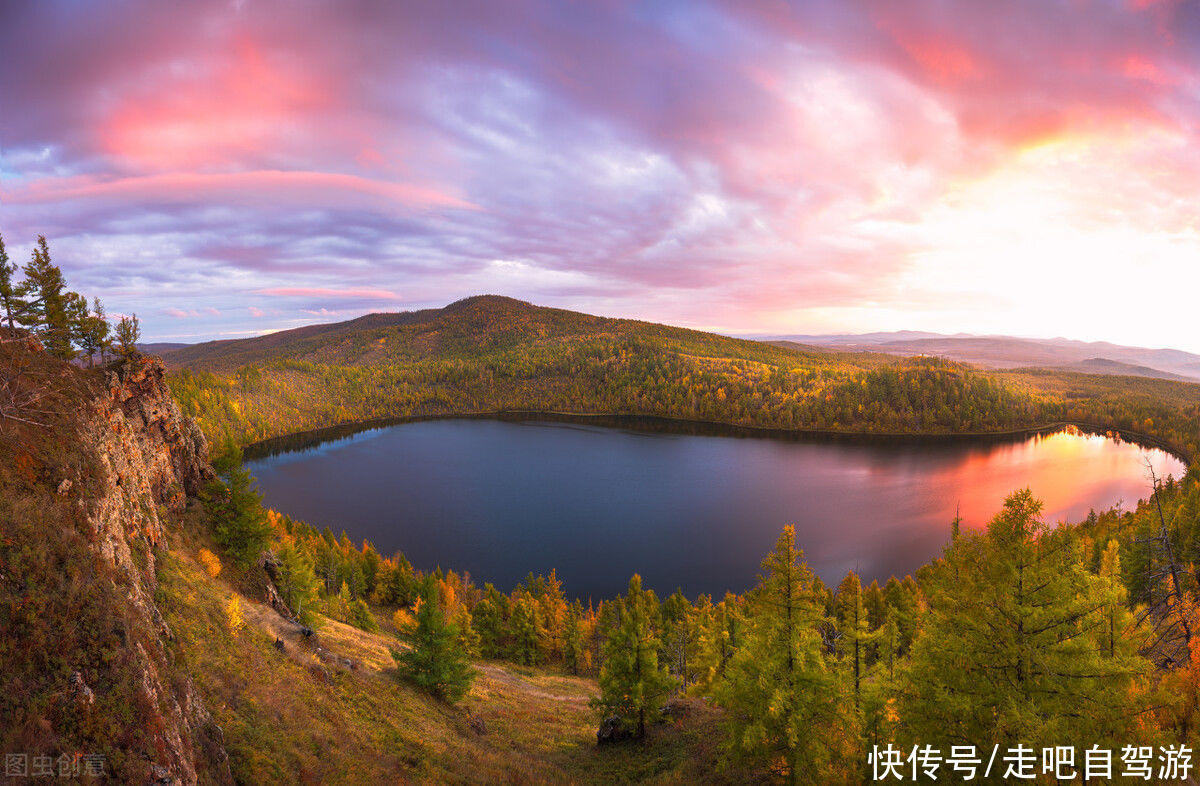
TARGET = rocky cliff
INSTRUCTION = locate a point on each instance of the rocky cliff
(151, 461)
(87, 498)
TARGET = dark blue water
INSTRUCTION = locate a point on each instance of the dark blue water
(501, 499)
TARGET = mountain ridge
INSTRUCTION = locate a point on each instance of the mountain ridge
(1000, 351)
(994, 351)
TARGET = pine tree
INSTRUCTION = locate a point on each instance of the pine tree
(553, 614)
(783, 704)
(573, 644)
(527, 630)
(719, 637)
(1012, 649)
(48, 313)
(297, 583)
(877, 615)
(679, 637)
(11, 300)
(853, 626)
(79, 323)
(488, 620)
(903, 600)
(468, 639)
(127, 334)
(98, 336)
(436, 661)
(1116, 619)
(633, 685)
(241, 525)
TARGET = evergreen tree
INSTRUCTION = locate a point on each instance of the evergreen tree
(526, 628)
(89, 328)
(876, 606)
(488, 618)
(783, 704)
(573, 644)
(79, 323)
(358, 614)
(1010, 652)
(48, 314)
(128, 332)
(11, 300)
(679, 637)
(719, 637)
(468, 639)
(98, 336)
(1116, 619)
(297, 584)
(241, 525)
(633, 685)
(436, 661)
(903, 600)
(853, 626)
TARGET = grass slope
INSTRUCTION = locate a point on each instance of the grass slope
(292, 716)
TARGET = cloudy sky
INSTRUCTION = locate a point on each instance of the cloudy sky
(750, 166)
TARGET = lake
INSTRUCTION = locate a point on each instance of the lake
(500, 498)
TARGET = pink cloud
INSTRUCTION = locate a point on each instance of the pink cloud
(236, 188)
(255, 311)
(757, 155)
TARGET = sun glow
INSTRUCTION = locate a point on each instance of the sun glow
(1068, 223)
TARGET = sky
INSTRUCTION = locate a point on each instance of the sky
(226, 169)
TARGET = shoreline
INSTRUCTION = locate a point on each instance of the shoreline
(302, 440)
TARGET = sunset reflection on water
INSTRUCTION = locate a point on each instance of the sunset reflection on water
(501, 499)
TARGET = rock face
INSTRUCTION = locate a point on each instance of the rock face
(147, 460)
(150, 457)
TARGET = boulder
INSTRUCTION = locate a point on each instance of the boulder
(612, 730)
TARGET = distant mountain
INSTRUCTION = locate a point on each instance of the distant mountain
(1106, 366)
(468, 328)
(1097, 357)
(160, 347)
(856, 339)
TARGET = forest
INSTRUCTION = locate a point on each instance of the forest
(489, 355)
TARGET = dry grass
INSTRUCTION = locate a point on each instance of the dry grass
(293, 716)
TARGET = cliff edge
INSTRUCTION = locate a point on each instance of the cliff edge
(97, 466)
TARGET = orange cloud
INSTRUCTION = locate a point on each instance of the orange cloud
(284, 187)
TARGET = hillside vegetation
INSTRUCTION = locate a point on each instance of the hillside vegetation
(492, 354)
(331, 709)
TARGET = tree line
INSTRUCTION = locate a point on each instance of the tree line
(39, 302)
(596, 375)
(641, 377)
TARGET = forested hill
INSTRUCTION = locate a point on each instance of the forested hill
(493, 354)
(470, 327)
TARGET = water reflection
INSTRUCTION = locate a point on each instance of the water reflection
(500, 499)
